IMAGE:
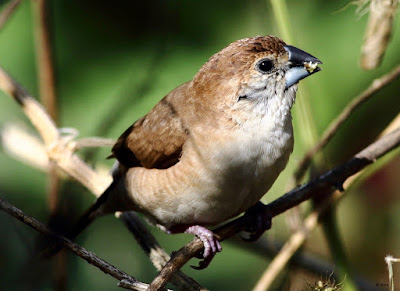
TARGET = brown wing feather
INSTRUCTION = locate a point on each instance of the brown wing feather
(155, 140)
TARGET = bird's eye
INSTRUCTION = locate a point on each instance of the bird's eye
(264, 66)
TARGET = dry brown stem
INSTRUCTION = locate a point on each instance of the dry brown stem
(8, 11)
(45, 69)
(378, 32)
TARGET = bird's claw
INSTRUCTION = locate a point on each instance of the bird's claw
(210, 243)
(259, 217)
(204, 263)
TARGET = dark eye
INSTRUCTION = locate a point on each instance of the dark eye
(265, 66)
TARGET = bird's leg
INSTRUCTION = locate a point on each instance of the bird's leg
(259, 219)
(210, 243)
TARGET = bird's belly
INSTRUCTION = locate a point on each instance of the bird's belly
(239, 180)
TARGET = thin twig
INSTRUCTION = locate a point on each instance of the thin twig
(61, 150)
(76, 249)
(333, 178)
(334, 126)
(57, 146)
(32, 109)
(23, 146)
(8, 11)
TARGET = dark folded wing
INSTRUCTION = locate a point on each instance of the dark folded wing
(154, 141)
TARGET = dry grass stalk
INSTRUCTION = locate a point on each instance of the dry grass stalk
(377, 35)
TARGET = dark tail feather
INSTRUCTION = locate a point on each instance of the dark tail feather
(84, 221)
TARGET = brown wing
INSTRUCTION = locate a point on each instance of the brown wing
(155, 140)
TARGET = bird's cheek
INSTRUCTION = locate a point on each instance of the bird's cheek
(258, 82)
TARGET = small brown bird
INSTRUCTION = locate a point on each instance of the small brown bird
(213, 147)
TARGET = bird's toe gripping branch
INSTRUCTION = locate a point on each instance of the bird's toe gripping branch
(260, 219)
(210, 242)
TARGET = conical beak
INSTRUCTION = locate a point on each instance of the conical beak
(302, 65)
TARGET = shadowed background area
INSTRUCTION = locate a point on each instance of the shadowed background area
(114, 60)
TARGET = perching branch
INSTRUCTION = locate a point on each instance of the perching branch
(292, 245)
(90, 257)
(60, 149)
(298, 238)
(331, 179)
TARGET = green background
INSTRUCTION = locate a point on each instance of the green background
(114, 60)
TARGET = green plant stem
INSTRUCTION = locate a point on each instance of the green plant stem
(337, 249)
(304, 115)
(309, 137)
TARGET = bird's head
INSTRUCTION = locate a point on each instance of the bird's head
(254, 69)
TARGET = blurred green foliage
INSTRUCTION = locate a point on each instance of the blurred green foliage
(115, 59)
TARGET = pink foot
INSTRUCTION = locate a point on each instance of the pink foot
(210, 242)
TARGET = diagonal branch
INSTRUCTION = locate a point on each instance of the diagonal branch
(331, 179)
(298, 238)
(310, 222)
(78, 250)
(375, 86)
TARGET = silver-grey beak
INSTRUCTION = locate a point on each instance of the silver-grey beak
(302, 65)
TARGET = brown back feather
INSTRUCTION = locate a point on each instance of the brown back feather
(155, 140)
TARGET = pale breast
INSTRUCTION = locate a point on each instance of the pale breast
(247, 166)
